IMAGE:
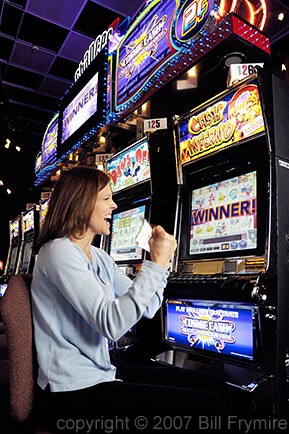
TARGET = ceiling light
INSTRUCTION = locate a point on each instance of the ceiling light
(234, 57)
(7, 143)
(283, 67)
(8, 191)
(18, 148)
(281, 16)
(1, 182)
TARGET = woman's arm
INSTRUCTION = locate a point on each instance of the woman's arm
(66, 268)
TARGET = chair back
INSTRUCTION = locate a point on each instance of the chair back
(17, 318)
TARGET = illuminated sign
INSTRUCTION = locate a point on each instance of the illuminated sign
(154, 43)
(28, 221)
(129, 168)
(81, 108)
(253, 11)
(49, 142)
(93, 50)
(14, 228)
(38, 162)
(210, 326)
(46, 158)
(233, 117)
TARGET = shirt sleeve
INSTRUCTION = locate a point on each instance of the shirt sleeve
(66, 268)
(122, 282)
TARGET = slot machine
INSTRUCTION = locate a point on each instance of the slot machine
(30, 229)
(226, 300)
(137, 174)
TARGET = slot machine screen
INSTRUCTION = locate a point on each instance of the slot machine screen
(126, 225)
(26, 257)
(3, 287)
(13, 259)
(28, 221)
(214, 328)
(224, 215)
(225, 218)
(14, 227)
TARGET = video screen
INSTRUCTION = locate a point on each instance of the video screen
(125, 228)
(13, 259)
(224, 216)
(14, 228)
(217, 327)
(81, 108)
(43, 210)
(3, 287)
(26, 257)
(28, 221)
(130, 167)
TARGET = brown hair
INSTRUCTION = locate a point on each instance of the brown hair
(71, 204)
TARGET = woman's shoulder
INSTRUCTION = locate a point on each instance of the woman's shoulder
(56, 244)
(58, 248)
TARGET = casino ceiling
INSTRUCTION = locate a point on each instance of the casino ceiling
(42, 43)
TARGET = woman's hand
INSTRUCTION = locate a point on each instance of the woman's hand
(162, 246)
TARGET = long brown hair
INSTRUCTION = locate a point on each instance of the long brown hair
(71, 203)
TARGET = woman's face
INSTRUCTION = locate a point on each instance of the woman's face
(101, 214)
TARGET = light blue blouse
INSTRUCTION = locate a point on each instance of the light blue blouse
(78, 306)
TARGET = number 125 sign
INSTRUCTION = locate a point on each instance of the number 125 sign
(155, 124)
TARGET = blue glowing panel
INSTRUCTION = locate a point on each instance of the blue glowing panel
(215, 327)
(152, 46)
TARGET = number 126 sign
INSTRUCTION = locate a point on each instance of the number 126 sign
(155, 124)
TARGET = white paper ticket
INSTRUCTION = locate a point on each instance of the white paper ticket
(144, 235)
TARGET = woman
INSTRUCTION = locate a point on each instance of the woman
(81, 301)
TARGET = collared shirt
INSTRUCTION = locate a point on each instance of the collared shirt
(78, 306)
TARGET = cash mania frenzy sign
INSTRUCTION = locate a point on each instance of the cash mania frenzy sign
(219, 329)
(227, 120)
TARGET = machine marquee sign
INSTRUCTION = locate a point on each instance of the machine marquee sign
(93, 50)
(163, 31)
(236, 116)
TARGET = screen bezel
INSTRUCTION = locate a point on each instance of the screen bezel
(86, 130)
(137, 203)
(256, 359)
(213, 176)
